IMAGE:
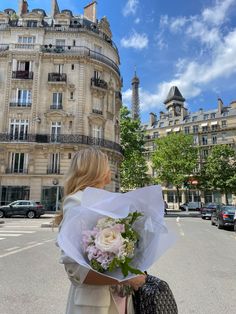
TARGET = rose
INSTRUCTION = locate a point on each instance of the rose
(109, 240)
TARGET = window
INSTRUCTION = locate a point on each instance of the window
(224, 123)
(97, 131)
(57, 101)
(23, 97)
(195, 139)
(204, 128)
(205, 153)
(213, 115)
(19, 129)
(97, 105)
(223, 135)
(171, 122)
(214, 127)
(59, 68)
(23, 66)
(70, 124)
(54, 163)
(60, 43)
(204, 139)
(71, 95)
(32, 23)
(55, 131)
(155, 134)
(69, 155)
(97, 75)
(176, 122)
(186, 130)
(72, 67)
(26, 39)
(225, 113)
(214, 139)
(194, 118)
(18, 162)
(195, 129)
(206, 116)
(161, 124)
(74, 42)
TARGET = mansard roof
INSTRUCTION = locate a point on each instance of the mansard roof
(174, 94)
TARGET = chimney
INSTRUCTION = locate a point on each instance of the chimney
(54, 7)
(152, 118)
(90, 11)
(22, 7)
(220, 105)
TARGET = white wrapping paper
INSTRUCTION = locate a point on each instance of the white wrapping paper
(155, 238)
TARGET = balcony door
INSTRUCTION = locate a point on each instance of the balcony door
(55, 131)
(19, 129)
(19, 162)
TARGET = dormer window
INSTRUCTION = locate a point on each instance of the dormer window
(32, 23)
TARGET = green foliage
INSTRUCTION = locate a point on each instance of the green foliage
(174, 159)
(220, 168)
(134, 167)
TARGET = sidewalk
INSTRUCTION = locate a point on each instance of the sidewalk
(179, 213)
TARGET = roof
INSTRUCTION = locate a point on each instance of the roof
(174, 94)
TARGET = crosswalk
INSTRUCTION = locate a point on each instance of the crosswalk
(14, 229)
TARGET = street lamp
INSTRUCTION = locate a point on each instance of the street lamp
(55, 182)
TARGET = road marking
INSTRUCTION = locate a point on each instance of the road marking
(2, 238)
(12, 231)
(23, 249)
(32, 242)
(12, 248)
(17, 226)
(9, 235)
(181, 231)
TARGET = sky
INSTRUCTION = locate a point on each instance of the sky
(189, 44)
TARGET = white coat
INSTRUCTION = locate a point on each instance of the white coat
(82, 298)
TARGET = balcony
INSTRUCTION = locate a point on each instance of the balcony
(24, 75)
(57, 77)
(20, 104)
(56, 107)
(96, 82)
(96, 111)
(81, 51)
(61, 139)
(4, 47)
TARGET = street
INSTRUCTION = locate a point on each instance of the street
(200, 268)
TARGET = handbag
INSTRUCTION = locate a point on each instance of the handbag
(154, 297)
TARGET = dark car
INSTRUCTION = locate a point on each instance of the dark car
(223, 216)
(208, 209)
(235, 221)
(30, 209)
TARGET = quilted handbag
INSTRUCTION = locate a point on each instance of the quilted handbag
(154, 297)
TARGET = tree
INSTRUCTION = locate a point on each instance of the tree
(134, 167)
(220, 169)
(174, 159)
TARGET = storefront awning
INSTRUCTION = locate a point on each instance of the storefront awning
(203, 124)
(168, 130)
(176, 129)
(214, 123)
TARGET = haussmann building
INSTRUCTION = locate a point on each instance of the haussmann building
(60, 92)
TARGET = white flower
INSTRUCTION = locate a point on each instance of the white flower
(109, 240)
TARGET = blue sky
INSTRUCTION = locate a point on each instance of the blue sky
(191, 44)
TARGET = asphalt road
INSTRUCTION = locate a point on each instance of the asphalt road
(200, 268)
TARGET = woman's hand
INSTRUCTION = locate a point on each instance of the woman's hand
(135, 282)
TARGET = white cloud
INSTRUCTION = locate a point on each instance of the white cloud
(193, 77)
(130, 7)
(137, 20)
(135, 40)
(216, 15)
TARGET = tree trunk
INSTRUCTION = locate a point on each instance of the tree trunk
(177, 192)
(226, 197)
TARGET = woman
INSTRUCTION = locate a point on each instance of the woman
(90, 292)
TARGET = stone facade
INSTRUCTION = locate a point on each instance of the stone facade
(208, 127)
(60, 91)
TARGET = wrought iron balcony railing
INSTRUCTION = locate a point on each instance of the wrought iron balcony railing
(18, 171)
(25, 75)
(20, 104)
(56, 107)
(57, 77)
(62, 139)
(4, 47)
(97, 111)
(53, 171)
(83, 52)
(98, 83)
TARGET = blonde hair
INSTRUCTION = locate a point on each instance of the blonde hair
(89, 168)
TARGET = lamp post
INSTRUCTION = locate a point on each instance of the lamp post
(55, 182)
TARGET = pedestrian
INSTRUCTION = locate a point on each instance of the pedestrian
(91, 292)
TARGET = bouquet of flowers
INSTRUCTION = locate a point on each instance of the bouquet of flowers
(111, 244)
(118, 234)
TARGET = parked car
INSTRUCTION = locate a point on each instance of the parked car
(191, 206)
(208, 209)
(223, 216)
(235, 221)
(30, 209)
